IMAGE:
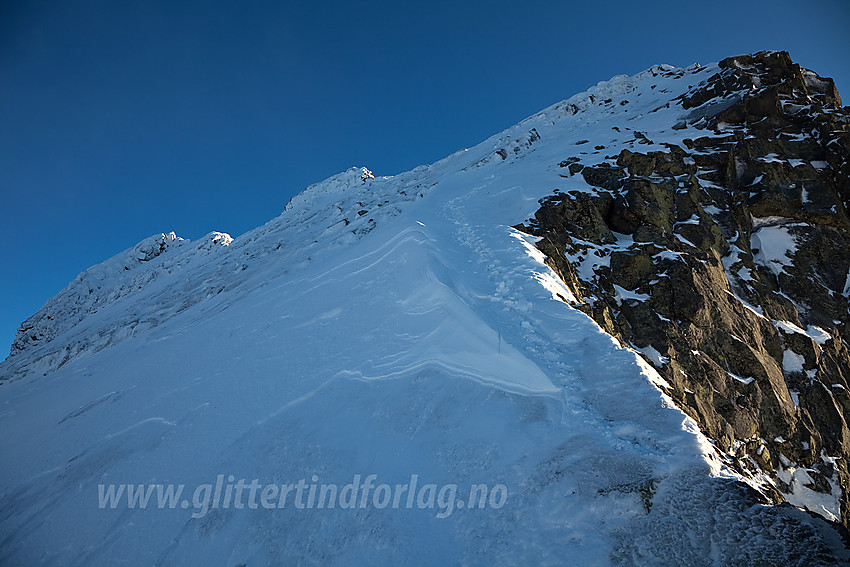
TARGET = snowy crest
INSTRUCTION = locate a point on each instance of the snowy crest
(332, 187)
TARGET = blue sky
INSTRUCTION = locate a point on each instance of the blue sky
(119, 120)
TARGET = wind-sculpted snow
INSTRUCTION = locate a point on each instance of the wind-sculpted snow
(392, 326)
(326, 215)
(147, 284)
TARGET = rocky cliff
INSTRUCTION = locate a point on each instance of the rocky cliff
(725, 261)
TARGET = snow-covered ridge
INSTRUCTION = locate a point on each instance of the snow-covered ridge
(86, 292)
(342, 199)
(321, 218)
(103, 284)
(388, 325)
(618, 87)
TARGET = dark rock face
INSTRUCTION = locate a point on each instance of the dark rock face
(726, 262)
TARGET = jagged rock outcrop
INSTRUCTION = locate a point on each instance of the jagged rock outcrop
(726, 262)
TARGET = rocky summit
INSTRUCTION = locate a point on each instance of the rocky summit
(725, 261)
(614, 334)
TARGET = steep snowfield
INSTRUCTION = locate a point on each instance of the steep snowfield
(421, 336)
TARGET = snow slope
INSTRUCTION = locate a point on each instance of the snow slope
(390, 326)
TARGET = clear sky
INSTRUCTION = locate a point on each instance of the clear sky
(119, 120)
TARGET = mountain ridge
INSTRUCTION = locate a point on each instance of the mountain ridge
(511, 140)
(408, 324)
